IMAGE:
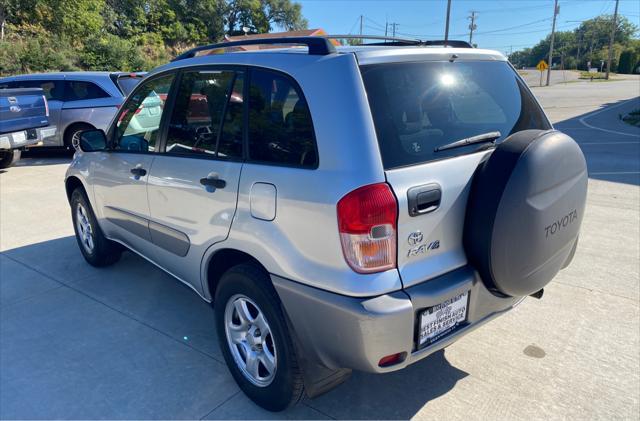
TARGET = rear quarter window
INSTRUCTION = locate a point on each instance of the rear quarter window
(419, 106)
(79, 91)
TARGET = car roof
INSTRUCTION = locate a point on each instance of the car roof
(72, 75)
(282, 58)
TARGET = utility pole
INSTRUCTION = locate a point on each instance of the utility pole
(446, 27)
(613, 34)
(393, 28)
(556, 10)
(472, 26)
(578, 54)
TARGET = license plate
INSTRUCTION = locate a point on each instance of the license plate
(19, 137)
(441, 319)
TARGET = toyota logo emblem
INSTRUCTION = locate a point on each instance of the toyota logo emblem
(415, 238)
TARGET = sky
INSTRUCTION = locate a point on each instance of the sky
(504, 25)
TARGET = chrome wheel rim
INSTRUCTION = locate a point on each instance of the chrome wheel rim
(250, 340)
(85, 231)
(75, 140)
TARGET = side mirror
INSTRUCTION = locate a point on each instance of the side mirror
(93, 141)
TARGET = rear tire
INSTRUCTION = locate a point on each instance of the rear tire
(95, 247)
(248, 287)
(72, 135)
(8, 158)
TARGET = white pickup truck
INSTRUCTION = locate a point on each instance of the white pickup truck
(24, 121)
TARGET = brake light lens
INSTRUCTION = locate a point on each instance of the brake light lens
(367, 221)
(46, 105)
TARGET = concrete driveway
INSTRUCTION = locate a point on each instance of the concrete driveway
(130, 342)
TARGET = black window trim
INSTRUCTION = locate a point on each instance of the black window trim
(161, 130)
(170, 104)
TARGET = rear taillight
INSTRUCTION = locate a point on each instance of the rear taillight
(367, 220)
(46, 105)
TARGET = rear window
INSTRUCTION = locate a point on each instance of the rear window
(418, 107)
(127, 83)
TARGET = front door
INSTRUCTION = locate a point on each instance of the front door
(193, 184)
(120, 175)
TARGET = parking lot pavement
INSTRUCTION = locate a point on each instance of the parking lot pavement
(130, 342)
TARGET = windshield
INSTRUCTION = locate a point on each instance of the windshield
(418, 107)
(127, 83)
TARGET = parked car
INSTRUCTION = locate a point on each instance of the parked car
(78, 100)
(344, 209)
(24, 121)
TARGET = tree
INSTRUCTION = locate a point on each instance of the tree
(260, 16)
(586, 43)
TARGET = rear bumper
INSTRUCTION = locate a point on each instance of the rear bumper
(346, 332)
(22, 138)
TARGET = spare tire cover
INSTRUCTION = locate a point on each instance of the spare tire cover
(525, 209)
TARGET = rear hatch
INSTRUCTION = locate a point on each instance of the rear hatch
(22, 109)
(420, 106)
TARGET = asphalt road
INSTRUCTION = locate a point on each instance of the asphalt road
(130, 342)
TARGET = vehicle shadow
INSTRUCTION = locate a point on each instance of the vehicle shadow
(157, 304)
(611, 146)
(44, 156)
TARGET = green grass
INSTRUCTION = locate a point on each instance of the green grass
(597, 77)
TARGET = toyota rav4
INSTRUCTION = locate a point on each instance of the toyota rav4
(350, 208)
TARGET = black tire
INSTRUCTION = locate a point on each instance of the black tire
(73, 131)
(8, 158)
(103, 252)
(286, 387)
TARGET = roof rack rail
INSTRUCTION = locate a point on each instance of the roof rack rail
(394, 40)
(317, 45)
(403, 41)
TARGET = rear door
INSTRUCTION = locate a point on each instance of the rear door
(193, 184)
(418, 107)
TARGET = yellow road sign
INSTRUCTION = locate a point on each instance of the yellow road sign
(542, 65)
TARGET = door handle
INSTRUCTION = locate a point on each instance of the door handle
(138, 171)
(423, 199)
(212, 181)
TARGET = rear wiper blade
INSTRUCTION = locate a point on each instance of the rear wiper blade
(481, 138)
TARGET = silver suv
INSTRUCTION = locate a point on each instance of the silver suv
(343, 209)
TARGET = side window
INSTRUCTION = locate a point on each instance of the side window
(197, 125)
(9, 85)
(280, 128)
(138, 123)
(78, 91)
(53, 89)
